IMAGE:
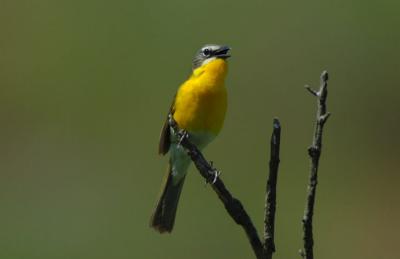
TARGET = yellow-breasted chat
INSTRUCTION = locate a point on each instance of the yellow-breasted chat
(199, 108)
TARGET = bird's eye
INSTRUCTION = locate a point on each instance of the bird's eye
(206, 52)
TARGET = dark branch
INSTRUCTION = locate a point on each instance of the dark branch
(314, 152)
(270, 199)
(232, 205)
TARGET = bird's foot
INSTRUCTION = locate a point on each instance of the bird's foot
(183, 134)
(216, 175)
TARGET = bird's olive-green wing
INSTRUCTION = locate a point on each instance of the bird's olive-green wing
(165, 136)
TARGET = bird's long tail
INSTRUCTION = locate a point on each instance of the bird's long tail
(163, 217)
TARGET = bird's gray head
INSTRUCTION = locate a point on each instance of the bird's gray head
(208, 53)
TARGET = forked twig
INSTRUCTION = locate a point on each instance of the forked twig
(232, 205)
(314, 152)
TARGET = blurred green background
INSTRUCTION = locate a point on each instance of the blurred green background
(85, 87)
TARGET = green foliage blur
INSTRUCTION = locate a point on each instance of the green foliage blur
(85, 87)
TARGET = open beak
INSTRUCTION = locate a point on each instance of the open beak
(222, 52)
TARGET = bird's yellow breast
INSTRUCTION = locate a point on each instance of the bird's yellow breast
(201, 102)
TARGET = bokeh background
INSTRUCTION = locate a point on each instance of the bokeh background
(85, 87)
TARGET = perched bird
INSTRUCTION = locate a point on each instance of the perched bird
(199, 108)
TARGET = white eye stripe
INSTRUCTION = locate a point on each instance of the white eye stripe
(202, 58)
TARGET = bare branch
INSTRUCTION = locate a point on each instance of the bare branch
(232, 205)
(270, 198)
(314, 152)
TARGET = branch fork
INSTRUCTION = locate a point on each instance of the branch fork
(262, 250)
